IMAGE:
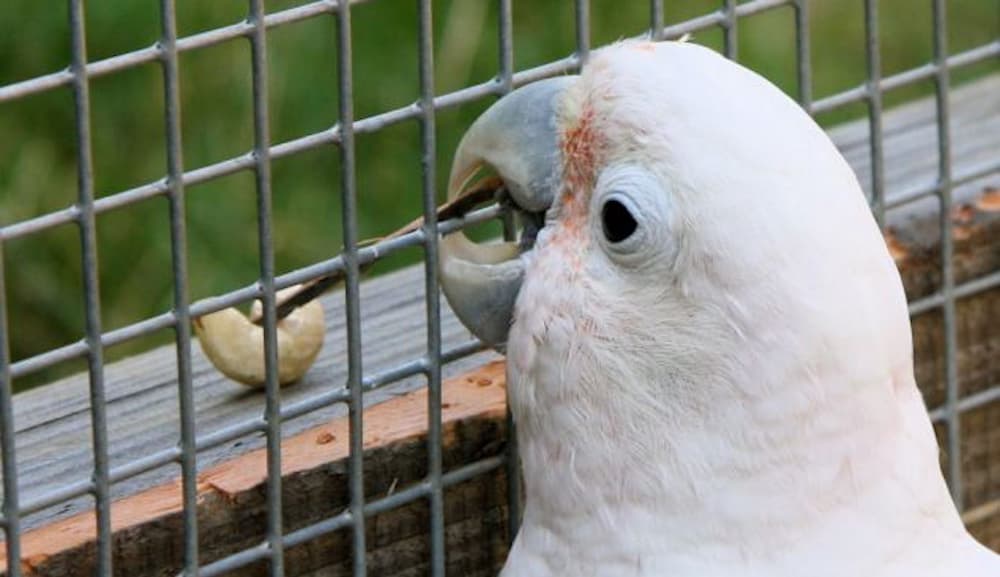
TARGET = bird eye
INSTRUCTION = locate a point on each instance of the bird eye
(617, 221)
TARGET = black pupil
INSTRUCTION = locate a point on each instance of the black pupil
(617, 221)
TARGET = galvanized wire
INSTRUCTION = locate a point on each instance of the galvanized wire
(582, 30)
(173, 187)
(182, 314)
(262, 181)
(8, 450)
(91, 288)
(152, 53)
(803, 53)
(352, 294)
(873, 61)
(512, 459)
(472, 93)
(656, 20)
(432, 297)
(730, 44)
(945, 184)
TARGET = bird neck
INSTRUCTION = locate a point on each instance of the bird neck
(686, 483)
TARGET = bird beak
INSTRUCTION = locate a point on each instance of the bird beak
(517, 140)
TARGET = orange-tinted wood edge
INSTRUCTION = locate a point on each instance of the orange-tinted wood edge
(480, 393)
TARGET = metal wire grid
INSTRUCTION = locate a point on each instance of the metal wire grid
(342, 135)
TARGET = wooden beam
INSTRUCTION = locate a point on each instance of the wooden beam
(473, 404)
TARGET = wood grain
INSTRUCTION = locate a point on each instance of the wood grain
(234, 488)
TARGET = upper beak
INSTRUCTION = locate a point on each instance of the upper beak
(516, 138)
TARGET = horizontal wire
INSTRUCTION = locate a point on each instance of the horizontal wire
(232, 432)
(967, 404)
(963, 176)
(154, 53)
(902, 79)
(366, 255)
(961, 291)
(410, 494)
(331, 136)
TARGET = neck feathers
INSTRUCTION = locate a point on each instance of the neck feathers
(662, 479)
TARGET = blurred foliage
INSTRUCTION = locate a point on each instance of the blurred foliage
(38, 148)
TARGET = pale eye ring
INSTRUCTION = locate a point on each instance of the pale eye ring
(617, 221)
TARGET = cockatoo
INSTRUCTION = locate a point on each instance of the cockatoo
(708, 350)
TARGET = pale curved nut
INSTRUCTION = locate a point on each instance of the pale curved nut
(235, 346)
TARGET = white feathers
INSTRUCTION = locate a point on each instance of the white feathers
(730, 392)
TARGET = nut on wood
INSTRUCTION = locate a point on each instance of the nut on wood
(235, 346)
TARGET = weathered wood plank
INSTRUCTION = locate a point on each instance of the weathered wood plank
(232, 494)
(53, 426)
(910, 145)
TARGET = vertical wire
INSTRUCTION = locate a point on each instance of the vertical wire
(352, 294)
(505, 85)
(729, 29)
(428, 164)
(874, 65)
(11, 506)
(941, 83)
(583, 30)
(656, 20)
(262, 173)
(91, 287)
(506, 46)
(802, 49)
(182, 317)
(513, 459)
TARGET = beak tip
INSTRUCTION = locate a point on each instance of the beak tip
(481, 295)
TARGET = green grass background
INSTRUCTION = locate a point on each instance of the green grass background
(37, 140)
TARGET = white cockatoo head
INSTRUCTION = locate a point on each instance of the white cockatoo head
(709, 352)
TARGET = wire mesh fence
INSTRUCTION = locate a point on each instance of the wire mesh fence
(255, 29)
